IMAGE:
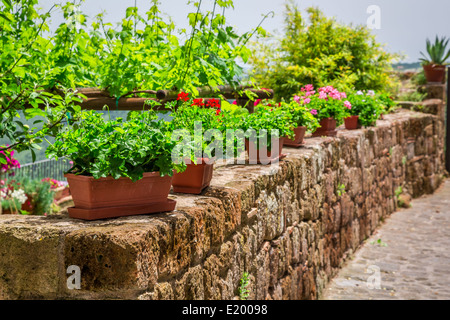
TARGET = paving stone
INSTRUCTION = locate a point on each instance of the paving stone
(413, 265)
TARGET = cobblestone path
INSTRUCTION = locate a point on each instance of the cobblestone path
(408, 258)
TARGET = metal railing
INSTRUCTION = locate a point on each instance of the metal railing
(44, 169)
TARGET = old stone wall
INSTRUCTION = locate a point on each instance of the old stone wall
(290, 227)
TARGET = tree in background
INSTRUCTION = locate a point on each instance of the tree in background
(321, 52)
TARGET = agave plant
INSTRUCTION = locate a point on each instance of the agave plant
(436, 52)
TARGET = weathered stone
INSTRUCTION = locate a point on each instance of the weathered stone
(289, 226)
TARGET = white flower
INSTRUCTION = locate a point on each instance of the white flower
(19, 195)
(370, 93)
(360, 93)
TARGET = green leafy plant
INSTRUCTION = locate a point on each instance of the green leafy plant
(34, 194)
(30, 90)
(367, 106)
(387, 102)
(243, 291)
(322, 52)
(233, 108)
(117, 148)
(268, 121)
(145, 53)
(341, 190)
(437, 52)
(414, 96)
(40, 70)
(398, 191)
(379, 242)
(301, 115)
(193, 118)
(404, 160)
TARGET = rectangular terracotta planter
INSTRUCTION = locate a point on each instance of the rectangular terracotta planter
(299, 134)
(327, 128)
(262, 155)
(108, 197)
(195, 178)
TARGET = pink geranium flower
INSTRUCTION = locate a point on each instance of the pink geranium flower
(348, 105)
(314, 112)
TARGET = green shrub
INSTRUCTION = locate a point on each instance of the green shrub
(322, 53)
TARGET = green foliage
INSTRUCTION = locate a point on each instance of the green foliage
(39, 70)
(379, 242)
(145, 53)
(341, 190)
(414, 96)
(321, 52)
(192, 119)
(387, 102)
(266, 121)
(397, 193)
(40, 196)
(301, 115)
(436, 51)
(367, 106)
(117, 148)
(233, 109)
(243, 291)
(29, 88)
(419, 78)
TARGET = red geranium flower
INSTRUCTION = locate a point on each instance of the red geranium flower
(197, 102)
(213, 103)
(183, 96)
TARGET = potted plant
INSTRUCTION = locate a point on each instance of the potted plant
(434, 64)
(120, 167)
(327, 105)
(303, 120)
(14, 199)
(266, 130)
(26, 196)
(195, 115)
(60, 189)
(366, 107)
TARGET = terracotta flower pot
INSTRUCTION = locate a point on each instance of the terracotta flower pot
(195, 178)
(299, 134)
(327, 128)
(109, 197)
(434, 72)
(262, 155)
(352, 123)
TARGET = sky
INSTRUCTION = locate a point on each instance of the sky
(403, 25)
